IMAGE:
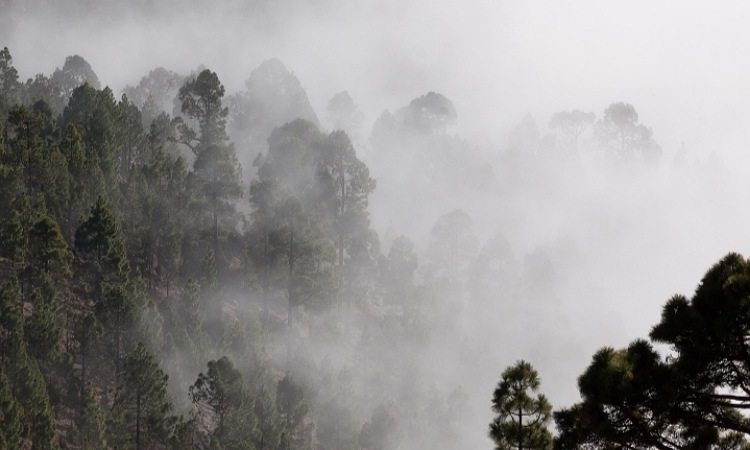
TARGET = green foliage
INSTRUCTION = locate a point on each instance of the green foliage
(78, 173)
(216, 171)
(29, 389)
(142, 410)
(85, 180)
(11, 413)
(95, 114)
(269, 432)
(223, 407)
(75, 72)
(290, 401)
(9, 86)
(48, 250)
(128, 138)
(694, 398)
(41, 330)
(14, 239)
(11, 320)
(117, 313)
(522, 418)
(43, 88)
(100, 251)
(92, 430)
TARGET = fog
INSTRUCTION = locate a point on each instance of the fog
(620, 239)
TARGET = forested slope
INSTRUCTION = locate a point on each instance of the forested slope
(153, 297)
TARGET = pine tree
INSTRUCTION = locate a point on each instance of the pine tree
(14, 240)
(9, 85)
(522, 419)
(224, 409)
(129, 138)
(99, 249)
(30, 390)
(86, 181)
(269, 428)
(117, 313)
(297, 430)
(48, 252)
(42, 333)
(94, 114)
(11, 320)
(217, 174)
(92, 430)
(86, 333)
(141, 410)
(11, 413)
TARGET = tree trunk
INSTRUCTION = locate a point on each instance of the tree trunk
(216, 235)
(291, 301)
(138, 420)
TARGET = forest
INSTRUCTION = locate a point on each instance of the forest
(183, 267)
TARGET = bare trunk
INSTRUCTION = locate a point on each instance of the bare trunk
(138, 421)
(291, 300)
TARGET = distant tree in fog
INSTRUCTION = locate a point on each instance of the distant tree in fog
(572, 124)
(452, 246)
(494, 271)
(343, 114)
(398, 271)
(380, 432)
(273, 96)
(619, 132)
(75, 72)
(342, 168)
(42, 87)
(522, 415)
(431, 113)
(293, 409)
(155, 93)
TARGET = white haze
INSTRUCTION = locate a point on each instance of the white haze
(621, 244)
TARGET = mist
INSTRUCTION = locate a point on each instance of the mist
(568, 249)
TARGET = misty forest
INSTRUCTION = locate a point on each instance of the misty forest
(189, 261)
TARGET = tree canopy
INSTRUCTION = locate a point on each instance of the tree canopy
(694, 398)
(522, 416)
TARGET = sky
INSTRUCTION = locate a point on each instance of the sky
(681, 64)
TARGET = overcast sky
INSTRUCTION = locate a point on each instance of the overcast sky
(683, 65)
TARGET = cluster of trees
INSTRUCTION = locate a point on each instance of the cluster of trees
(123, 255)
(695, 397)
(153, 295)
(158, 290)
